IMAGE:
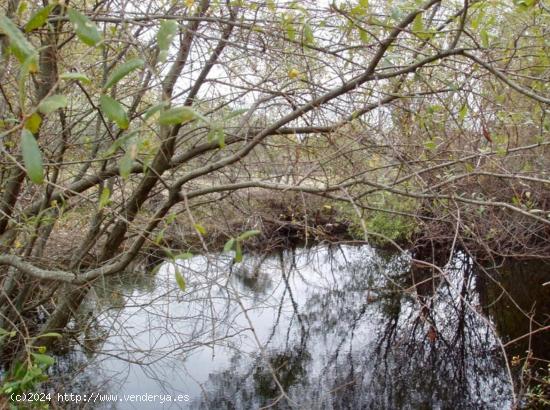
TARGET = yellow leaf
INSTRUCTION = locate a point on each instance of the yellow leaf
(33, 123)
(189, 3)
(200, 229)
(293, 73)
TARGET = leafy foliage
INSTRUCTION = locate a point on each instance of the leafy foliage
(32, 157)
(52, 103)
(85, 29)
(123, 70)
(39, 18)
(114, 111)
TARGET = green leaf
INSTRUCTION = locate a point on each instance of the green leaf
(525, 4)
(435, 108)
(308, 34)
(50, 334)
(33, 123)
(484, 38)
(477, 20)
(248, 234)
(39, 18)
(364, 36)
(85, 29)
(75, 76)
(177, 115)
(32, 157)
(180, 280)
(200, 229)
(52, 103)
(183, 256)
(5, 333)
(361, 9)
(419, 29)
(43, 359)
(170, 218)
(418, 24)
(235, 113)
(21, 47)
(501, 151)
(123, 70)
(119, 142)
(238, 252)
(229, 245)
(430, 145)
(159, 237)
(218, 135)
(154, 109)
(165, 36)
(22, 8)
(114, 111)
(125, 165)
(104, 198)
(288, 26)
(463, 112)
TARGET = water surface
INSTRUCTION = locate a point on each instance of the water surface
(340, 327)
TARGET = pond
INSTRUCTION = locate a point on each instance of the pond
(325, 327)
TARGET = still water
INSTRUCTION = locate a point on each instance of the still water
(340, 327)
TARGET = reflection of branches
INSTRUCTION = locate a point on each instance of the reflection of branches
(260, 345)
(341, 301)
(288, 289)
(462, 356)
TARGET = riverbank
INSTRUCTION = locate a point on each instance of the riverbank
(287, 219)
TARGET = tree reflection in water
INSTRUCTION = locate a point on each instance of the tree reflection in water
(341, 327)
(368, 344)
